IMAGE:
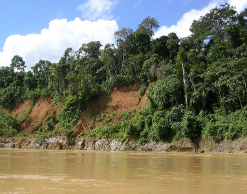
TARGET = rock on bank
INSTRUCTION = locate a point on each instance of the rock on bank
(93, 143)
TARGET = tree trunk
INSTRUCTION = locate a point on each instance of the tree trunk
(185, 86)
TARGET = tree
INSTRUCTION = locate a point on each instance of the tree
(30, 81)
(182, 55)
(148, 26)
(172, 44)
(233, 35)
(165, 93)
(138, 43)
(108, 58)
(18, 63)
(187, 43)
(159, 46)
(212, 24)
(217, 52)
(41, 70)
(5, 76)
(133, 65)
(121, 35)
(69, 54)
(123, 43)
(90, 50)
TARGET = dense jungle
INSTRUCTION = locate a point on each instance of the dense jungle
(195, 86)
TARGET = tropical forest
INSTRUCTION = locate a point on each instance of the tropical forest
(196, 87)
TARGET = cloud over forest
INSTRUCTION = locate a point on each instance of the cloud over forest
(51, 43)
(183, 25)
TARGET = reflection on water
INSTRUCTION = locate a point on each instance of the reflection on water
(43, 171)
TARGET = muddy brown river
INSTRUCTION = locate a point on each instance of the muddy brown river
(44, 171)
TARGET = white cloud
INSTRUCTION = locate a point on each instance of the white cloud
(239, 4)
(51, 43)
(183, 25)
(97, 9)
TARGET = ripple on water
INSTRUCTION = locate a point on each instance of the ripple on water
(31, 177)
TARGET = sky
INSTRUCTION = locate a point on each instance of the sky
(44, 29)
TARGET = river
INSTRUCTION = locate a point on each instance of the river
(49, 171)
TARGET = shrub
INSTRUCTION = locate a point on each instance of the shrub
(107, 131)
(8, 125)
(191, 126)
(41, 134)
(142, 90)
(165, 93)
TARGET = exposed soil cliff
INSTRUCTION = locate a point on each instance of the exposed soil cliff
(121, 99)
(34, 116)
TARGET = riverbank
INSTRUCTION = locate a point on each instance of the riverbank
(122, 104)
(205, 145)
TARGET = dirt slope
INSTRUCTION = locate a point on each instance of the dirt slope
(121, 99)
(34, 117)
(21, 109)
(125, 98)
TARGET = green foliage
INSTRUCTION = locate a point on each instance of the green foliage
(118, 80)
(165, 93)
(51, 123)
(106, 131)
(41, 135)
(212, 24)
(109, 118)
(17, 63)
(217, 52)
(48, 130)
(230, 126)
(71, 137)
(165, 125)
(70, 113)
(199, 83)
(8, 125)
(10, 95)
(190, 126)
(143, 90)
(121, 130)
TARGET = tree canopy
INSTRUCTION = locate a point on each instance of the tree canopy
(199, 83)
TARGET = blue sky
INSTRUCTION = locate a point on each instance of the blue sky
(43, 29)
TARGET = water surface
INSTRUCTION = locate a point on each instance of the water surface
(49, 171)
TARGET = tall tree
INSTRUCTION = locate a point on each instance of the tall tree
(123, 43)
(90, 50)
(17, 63)
(148, 26)
(159, 46)
(173, 44)
(41, 70)
(212, 24)
(182, 55)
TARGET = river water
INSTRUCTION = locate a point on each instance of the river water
(49, 171)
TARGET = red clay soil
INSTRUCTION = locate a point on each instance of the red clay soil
(43, 108)
(121, 99)
(41, 111)
(125, 98)
(21, 108)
